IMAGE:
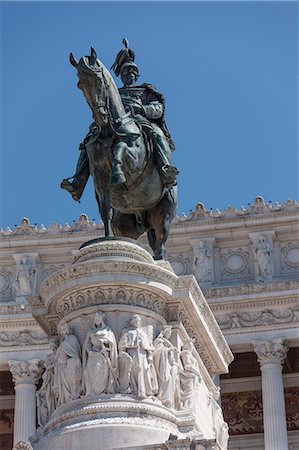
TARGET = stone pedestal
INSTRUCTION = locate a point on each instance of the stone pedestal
(271, 356)
(137, 351)
(25, 375)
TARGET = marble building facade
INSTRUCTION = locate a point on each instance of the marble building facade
(247, 264)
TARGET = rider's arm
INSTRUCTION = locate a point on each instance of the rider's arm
(153, 110)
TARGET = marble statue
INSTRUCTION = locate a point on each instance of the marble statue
(127, 151)
(203, 263)
(137, 373)
(220, 426)
(25, 277)
(67, 367)
(263, 253)
(190, 375)
(167, 369)
(46, 396)
(100, 359)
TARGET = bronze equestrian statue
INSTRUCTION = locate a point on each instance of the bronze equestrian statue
(127, 151)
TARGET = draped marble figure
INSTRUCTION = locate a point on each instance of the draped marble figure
(100, 360)
(190, 376)
(46, 397)
(137, 373)
(263, 252)
(68, 367)
(167, 369)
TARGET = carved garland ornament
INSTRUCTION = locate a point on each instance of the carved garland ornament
(23, 338)
(101, 296)
(257, 319)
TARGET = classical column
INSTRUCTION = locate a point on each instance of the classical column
(271, 355)
(25, 375)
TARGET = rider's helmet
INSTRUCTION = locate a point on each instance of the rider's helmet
(125, 58)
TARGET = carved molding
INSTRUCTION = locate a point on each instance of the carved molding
(114, 267)
(270, 351)
(204, 355)
(124, 410)
(49, 269)
(248, 289)
(189, 283)
(15, 308)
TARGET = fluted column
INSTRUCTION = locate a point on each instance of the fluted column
(25, 375)
(271, 355)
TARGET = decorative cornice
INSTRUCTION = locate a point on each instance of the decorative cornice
(200, 216)
(25, 372)
(149, 271)
(15, 308)
(113, 410)
(258, 210)
(270, 352)
(189, 283)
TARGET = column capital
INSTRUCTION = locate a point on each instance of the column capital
(270, 351)
(25, 372)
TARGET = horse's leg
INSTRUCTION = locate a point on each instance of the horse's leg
(104, 209)
(151, 236)
(118, 176)
(159, 219)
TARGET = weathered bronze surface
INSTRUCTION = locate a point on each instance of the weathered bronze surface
(127, 151)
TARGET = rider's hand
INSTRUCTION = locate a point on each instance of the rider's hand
(138, 109)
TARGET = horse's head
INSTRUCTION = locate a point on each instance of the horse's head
(94, 81)
(103, 97)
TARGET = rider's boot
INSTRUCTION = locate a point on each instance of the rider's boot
(168, 175)
(65, 184)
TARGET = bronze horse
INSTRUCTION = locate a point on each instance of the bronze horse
(140, 203)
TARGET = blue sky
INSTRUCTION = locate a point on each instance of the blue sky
(228, 70)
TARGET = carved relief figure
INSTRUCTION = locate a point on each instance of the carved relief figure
(203, 263)
(167, 369)
(190, 376)
(220, 427)
(137, 373)
(100, 360)
(68, 367)
(26, 277)
(263, 253)
(46, 396)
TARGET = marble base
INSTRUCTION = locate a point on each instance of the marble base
(119, 280)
